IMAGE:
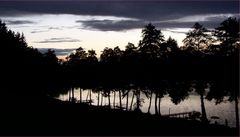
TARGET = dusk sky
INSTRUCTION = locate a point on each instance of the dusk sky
(68, 24)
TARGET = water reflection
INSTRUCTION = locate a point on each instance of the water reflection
(149, 102)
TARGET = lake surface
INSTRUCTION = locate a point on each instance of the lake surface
(225, 110)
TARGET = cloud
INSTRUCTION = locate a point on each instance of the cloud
(47, 30)
(112, 25)
(39, 31)
(203, 18)
(19, 22)
(177, 30)
(58, 52)
(55, 28)
(144, 10)
(137, 13)
(58, 40)
(209, 21)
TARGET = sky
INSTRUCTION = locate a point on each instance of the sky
(64, 25)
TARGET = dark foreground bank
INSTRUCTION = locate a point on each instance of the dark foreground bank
(46, 116)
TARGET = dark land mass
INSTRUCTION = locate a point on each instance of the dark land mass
(47, 116)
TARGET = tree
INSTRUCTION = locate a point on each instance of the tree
(117, 52)
(152, 38)
(200, 87)
(91, 57)
(168, 48)
(51, 57)
(150, 103)
(17, 54)
(178, 90)
(3, 28)
(228, 34)
(197, 39)
(78, 57)
(107, 55)
(130, 48)
(130, 54)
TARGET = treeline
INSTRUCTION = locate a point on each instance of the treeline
(206, 55)
(25, 70)
(209, 59)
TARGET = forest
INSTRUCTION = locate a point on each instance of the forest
(207, 63)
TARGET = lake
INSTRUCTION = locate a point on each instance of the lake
(225, 110)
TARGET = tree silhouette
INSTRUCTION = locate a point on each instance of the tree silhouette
(197, 39)
(200, 87)
(130, 54)
(179, 90)
(30, 63)
(51, 59)
(228, 34)
(150, 102)
(117, 54)
(133, 95)
(80, 95)
(78, 57)
(91, 57)
(160, 89)
(106, 56)
(169, 48)
(152, 38)
(126, 91)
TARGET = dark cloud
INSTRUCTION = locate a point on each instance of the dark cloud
(112, 25)
(58, 52)
(145, 10)
(58, 40)
(161, 13)
(19, 22)
(55, 28)
(209, 21)
(47, 30)
(39, 31)
(176, 31)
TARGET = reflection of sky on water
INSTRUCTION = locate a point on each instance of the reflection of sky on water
(225, 110)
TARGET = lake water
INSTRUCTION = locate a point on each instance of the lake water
(225, 110)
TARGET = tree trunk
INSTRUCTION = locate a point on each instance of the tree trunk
(120, 99)
(80, 91)
(156, 111)
(150, 103)
(87, 96)
(114, 97)
(72, 94)
(98, 98)
(204, 115)
(101, 99)
(127, 101)
(138, 100)
(109, 101)
(90, 96)
(236, 110)
(69, 95)
(132, 101)
(159, 101)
